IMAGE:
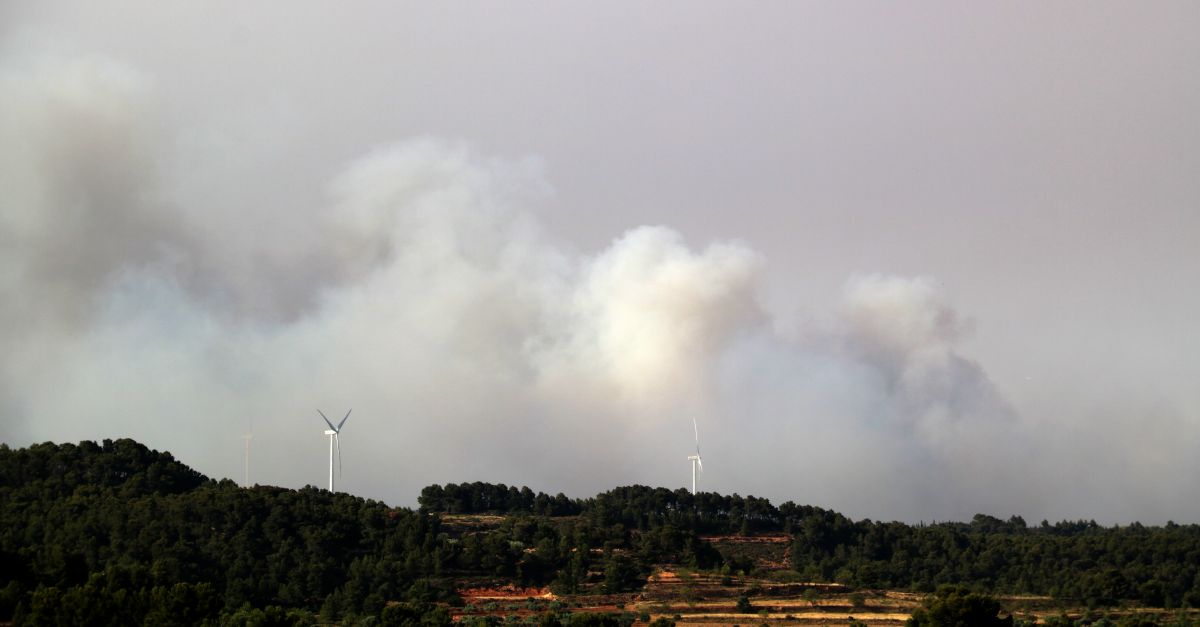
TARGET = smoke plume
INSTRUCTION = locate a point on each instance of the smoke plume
(421, 288)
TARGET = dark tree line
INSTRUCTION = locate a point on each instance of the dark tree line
(493, 498)
(1078, 560)
(115, 525)
(635, 507)
(88, 529)
(1159, 566)
(120, 531)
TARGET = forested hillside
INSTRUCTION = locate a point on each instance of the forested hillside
(115, 533)
(1079, 560)
(117, 529)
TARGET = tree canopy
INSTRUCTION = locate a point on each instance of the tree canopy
(119, 530)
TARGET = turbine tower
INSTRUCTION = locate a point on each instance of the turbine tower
(246, 475)
(333, 432)
(695, 459)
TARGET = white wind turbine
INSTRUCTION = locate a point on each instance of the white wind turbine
(333, 432)
(246, 475)
(695, 459)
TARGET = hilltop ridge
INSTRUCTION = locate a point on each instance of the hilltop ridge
(117, 529)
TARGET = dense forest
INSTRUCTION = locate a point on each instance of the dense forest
(116, 533)
(1080, 560)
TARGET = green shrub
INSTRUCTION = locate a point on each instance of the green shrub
(953, 606)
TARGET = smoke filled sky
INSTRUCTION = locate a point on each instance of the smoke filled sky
(903, 261)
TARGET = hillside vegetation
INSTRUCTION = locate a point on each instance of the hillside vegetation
(116, 533)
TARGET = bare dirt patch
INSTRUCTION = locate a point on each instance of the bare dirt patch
(764, 538)
(471, 523)
(505, 593)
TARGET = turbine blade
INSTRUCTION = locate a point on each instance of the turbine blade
(326, 420)
(700, 461)
(339, 427)
(697, 430)
(337, 443)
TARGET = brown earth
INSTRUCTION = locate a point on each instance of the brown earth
(763, 538)
(505, 593)
(701, 599)
(710, 599)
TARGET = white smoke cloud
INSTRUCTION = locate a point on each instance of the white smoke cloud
(647, 316)
(472, 345)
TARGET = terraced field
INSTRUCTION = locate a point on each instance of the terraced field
(775, 599)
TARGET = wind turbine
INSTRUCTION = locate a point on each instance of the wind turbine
(246, 476)
(695, 459)
(333, 432)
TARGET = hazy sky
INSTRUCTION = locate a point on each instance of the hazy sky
(908, 261)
